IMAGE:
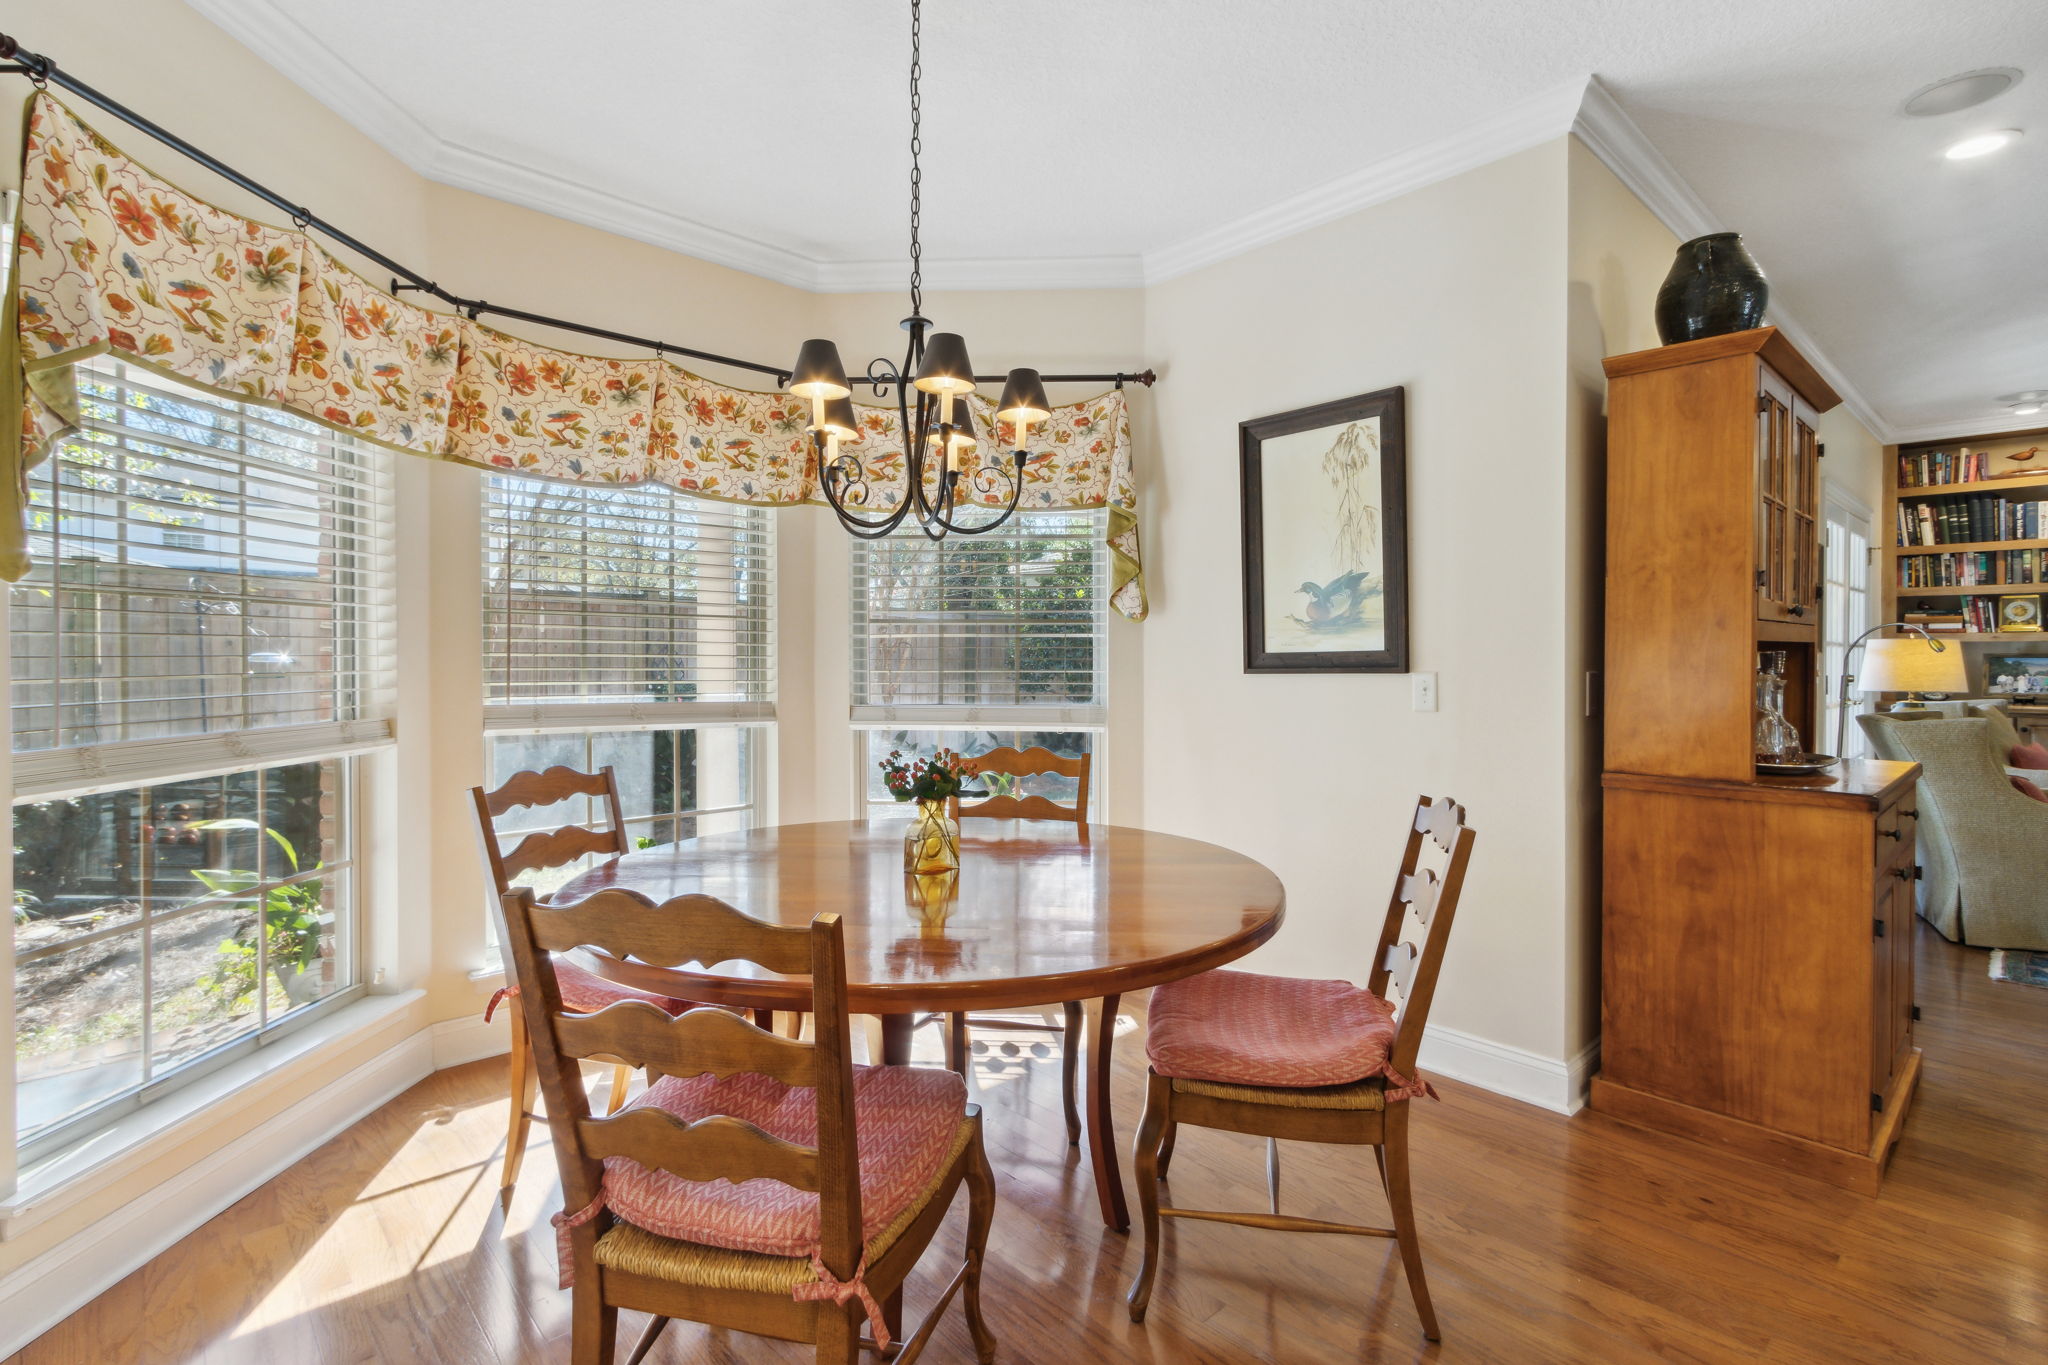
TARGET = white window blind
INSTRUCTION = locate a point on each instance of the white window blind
(623, 607)
(211, 589)
(1005, 629)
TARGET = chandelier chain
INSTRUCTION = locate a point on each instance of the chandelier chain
(916, 151)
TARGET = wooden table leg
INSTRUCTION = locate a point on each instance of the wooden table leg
(896, 1033)
(1109, 1183)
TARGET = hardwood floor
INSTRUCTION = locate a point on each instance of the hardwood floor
(1547, 1240)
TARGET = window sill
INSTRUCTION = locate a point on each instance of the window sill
(61, 1180)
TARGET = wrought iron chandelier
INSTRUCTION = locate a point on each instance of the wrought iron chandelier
(931, 388)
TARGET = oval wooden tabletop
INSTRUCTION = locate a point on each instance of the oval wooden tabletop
(1038, 913)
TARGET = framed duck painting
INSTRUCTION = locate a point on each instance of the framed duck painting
(1325, 494)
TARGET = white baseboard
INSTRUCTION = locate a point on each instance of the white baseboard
(456, 1041)
(72, 1274)
(1511, 1071)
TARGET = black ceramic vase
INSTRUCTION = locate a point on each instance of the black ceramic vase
(1715, 286)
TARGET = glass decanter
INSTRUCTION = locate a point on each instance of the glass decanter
(1777, 739)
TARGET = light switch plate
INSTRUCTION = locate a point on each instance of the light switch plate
(1425, 691)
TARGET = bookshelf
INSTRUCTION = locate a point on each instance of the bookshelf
(1957, 541)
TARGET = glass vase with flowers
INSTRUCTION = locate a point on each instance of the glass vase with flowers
(933, 842)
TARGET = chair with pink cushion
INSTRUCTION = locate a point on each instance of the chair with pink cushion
(1310, 1061)
(759, 1184)
(542, 851)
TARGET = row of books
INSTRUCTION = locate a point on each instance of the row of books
(1970, 569)
(1977, 615)
(1929, 468)
(1971, 517)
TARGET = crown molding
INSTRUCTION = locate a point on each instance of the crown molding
(1958, 430)
(285, 45)
(1521, 126)
(1610, 134)
(993, 272)
(546, 191)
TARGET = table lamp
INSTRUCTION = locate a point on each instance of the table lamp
(1911, 664)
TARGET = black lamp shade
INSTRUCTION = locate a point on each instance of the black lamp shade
(962, 435)
(1023, 398)
(839, 419)
(818, 373)
(945, 367)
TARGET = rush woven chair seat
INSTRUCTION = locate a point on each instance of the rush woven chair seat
(1311, 1061)
(760, 1183)
(582, 992)
(1020, 763)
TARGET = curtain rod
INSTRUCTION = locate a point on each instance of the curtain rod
(41, 70)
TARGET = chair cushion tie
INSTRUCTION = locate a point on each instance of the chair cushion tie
(498, 997)
(566, 1223)
(843, 1292)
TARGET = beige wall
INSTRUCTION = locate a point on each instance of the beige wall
(1617, 256)
(1455, 291)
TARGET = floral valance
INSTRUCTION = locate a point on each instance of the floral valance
(111, 258)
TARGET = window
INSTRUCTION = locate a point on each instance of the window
(1845, 614)
(633, 626)
(202, 646)
(673, 784)
(978, 641)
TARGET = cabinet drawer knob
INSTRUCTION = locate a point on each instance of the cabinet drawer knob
(1891, 834)
(1904, 874)
(1909, 815)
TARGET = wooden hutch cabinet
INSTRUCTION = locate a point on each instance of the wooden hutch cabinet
(1757, 936)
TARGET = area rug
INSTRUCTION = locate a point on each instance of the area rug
(2016, 964)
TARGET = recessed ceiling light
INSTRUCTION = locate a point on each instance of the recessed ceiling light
(1966, 91)
(1980, 144)
(2026, 402)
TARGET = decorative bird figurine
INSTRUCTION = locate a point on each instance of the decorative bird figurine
(2020, 456)
(1336, 604)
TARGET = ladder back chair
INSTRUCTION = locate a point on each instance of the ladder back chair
(760, 1183)
(1017, 763)
(1310, 1061)
(541, 851)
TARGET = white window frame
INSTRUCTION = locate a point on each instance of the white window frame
(1091, 719)
(509, 717)
(1842, 509)
(63, 772)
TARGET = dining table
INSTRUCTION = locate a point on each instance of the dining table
(1039, 913)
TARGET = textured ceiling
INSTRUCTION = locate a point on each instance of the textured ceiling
(1109, 141)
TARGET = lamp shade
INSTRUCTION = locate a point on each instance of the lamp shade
(1023, 398)
(961, 437)
(818, 373)
(1911, 664)
(839, 419)
(945, 367)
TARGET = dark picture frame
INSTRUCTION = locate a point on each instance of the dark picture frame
(1361, 582)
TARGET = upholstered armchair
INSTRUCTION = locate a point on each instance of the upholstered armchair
(1983, 845)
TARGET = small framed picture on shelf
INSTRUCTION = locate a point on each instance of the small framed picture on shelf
(2017, 615)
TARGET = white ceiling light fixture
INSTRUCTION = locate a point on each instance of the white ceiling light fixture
(1981, 144)
(1953, 94)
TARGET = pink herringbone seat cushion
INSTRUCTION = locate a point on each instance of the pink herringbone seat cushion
(587, 992)
(1245, 1029)
(907, 1118)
